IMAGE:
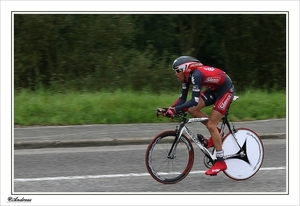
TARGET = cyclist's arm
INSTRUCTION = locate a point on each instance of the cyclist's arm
(196, 82)
(183, 95)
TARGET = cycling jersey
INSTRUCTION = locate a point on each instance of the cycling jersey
(219, 89)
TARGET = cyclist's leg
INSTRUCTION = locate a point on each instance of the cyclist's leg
(207, 98)
(196, 110)
(219, 165)
(203, 102)
(219, 109)
(223, 99)
(214, 118)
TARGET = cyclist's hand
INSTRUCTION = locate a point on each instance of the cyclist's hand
(171, 112)
(161, 111)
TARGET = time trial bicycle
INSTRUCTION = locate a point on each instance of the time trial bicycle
(170, 155)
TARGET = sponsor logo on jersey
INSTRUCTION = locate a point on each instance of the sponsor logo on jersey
(193, 79)
(196, 88)
(209, 68)
(214, 80)
(183, 85)
(225, 101)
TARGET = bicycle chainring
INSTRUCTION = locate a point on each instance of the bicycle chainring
(207, 162)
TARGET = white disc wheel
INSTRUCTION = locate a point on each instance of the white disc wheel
(241, 167)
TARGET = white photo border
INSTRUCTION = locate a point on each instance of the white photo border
(7, 7)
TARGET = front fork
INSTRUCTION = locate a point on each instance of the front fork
(171, 154)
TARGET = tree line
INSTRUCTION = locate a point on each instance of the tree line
(93, 52)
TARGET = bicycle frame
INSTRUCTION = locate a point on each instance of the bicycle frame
(184, 129)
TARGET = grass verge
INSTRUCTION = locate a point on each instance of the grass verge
(75, 108)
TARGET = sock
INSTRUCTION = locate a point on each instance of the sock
(220, 155)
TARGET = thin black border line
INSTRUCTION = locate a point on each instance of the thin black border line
(131, 193)
(155, 12)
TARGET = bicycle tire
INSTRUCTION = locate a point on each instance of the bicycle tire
(164, 169)
(242, 168)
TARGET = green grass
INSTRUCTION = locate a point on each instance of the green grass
(74, 108)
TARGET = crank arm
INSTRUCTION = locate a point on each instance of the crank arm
(233, 155)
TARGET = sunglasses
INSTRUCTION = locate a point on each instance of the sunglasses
(180, 68)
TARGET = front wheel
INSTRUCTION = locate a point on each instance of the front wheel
(169, 168)
(243, 165)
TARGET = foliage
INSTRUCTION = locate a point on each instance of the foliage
(96, 52)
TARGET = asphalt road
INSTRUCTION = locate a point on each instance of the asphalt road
(98, 170)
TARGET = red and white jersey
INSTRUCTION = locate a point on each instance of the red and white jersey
(203, 76)
(210, 77)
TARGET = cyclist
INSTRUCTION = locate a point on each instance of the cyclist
(219, 91)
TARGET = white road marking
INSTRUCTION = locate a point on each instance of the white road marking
(112, 176)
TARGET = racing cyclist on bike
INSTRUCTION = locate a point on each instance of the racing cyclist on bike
(219, 91)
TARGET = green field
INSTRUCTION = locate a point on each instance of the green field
(75, 108)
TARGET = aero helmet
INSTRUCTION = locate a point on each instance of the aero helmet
(182, 63)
